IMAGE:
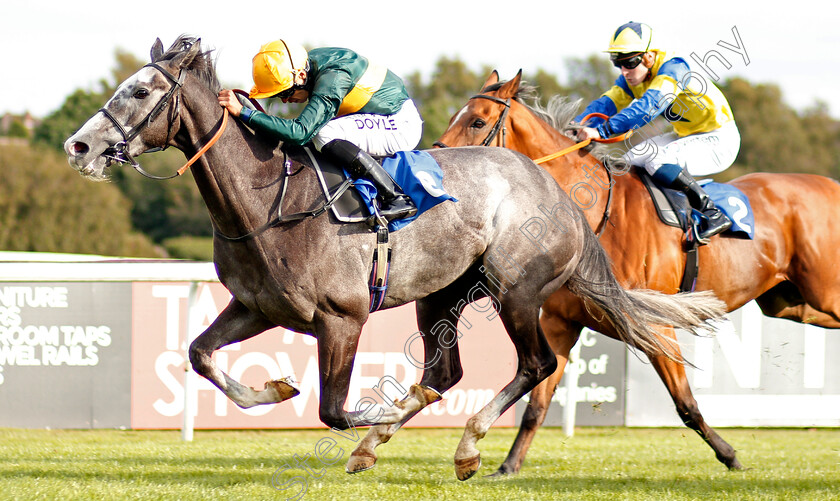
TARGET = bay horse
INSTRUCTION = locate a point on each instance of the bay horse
(309, 274)
(788, 268)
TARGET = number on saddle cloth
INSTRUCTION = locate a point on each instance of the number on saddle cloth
(673, 209)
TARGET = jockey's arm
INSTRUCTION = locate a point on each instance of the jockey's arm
(318, 111)
(660, 93)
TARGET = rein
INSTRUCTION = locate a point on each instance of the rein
(119, 151)
(585, 143)
(297, 216)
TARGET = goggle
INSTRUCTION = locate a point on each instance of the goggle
(286, 94)
(623, 61)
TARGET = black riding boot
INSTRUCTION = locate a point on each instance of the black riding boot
(395, 204)
(717, 220)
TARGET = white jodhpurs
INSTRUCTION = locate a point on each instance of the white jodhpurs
(381, 135)
(701, 154)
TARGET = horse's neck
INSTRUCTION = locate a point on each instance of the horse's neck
(580, 174)
(238, 177)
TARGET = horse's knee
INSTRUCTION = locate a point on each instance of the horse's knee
(549, 367)
(333, 419)
(689, 413)
(199, 356)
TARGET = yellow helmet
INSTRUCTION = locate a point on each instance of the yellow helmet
(274, 66)
(631, 37)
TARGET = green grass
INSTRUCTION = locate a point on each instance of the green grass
(597, 463)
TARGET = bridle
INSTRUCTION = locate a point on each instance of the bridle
(119, 151)
(498, 126)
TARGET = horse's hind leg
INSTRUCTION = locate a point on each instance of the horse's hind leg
(234, 324)
(437, 317)
(536, 362)
(673, 375)
(562, 336)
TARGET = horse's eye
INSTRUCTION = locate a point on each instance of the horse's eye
(141, 93)
(478, 124)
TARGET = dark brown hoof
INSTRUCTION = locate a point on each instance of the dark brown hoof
(466, 468)
(502, 472)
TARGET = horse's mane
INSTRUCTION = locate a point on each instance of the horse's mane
(559, 113)
(203, 65)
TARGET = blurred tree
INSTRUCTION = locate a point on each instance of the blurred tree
(62, 123)
(17, 129)
(450, 86)
(547, 85)
(589, 77)
(772, 136)
(46, 207)
(822, 133)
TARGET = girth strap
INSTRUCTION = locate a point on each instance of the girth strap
(381, 268)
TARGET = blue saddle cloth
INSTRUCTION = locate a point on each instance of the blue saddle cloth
(734, 204)
(673, 209)
(419, 176)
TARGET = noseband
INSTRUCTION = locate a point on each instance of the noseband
(498, 126)
(119, 151)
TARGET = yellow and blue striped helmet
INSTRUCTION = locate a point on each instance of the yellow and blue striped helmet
(630, 38)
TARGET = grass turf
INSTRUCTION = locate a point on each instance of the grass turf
(597, 463)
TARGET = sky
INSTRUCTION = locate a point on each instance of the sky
(51, 48)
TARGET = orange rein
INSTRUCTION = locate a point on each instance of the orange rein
(216, 136)
(207, 146)
(583, 144)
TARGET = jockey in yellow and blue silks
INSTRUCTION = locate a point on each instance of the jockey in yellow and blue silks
(354, 109)
(705, 139)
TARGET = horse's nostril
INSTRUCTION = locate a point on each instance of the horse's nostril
(79, 148)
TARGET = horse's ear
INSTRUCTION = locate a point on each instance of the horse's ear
(157, 50)
(185, 58)
(492, 79)
(511, 87)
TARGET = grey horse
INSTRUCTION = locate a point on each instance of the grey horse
(513, 237)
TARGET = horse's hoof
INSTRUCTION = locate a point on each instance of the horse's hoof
(360, 462)
(736, 465)
(500, 473)
(284, 387)
(466, 468)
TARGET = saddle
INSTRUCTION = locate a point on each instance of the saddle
(416, 172)
(673, 209)
(672, 206)
(350, 207)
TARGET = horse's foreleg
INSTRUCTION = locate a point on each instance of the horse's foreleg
(673, 375)
(437, 317)
(236, 323)
(338, 340)
(562, 336)
(536, 362)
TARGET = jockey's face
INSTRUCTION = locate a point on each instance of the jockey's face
(635, 76)
(299, 96)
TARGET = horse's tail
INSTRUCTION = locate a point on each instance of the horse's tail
(632, 312)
